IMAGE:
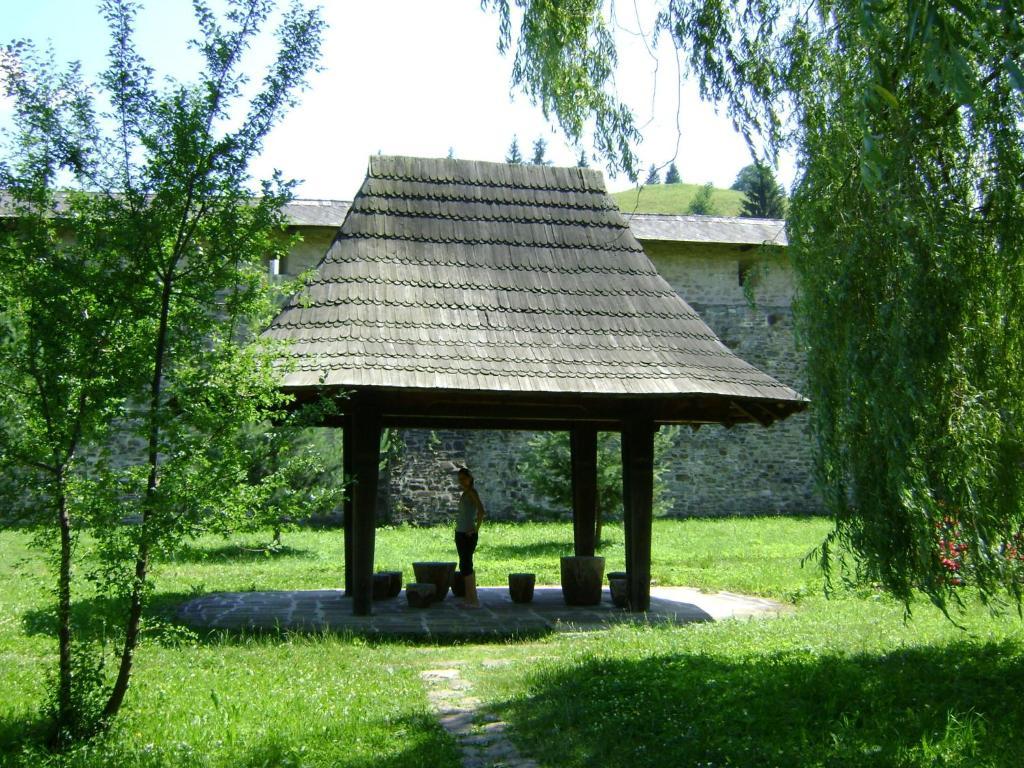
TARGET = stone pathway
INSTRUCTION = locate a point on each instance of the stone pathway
(481, 737)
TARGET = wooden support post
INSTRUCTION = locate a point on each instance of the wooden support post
(365, 442)
(627, 513)
(348, 471)
(638, 490)
(583, 448)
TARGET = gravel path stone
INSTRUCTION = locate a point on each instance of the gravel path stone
(480, 736)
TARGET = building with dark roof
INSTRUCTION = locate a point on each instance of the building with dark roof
(451, 275)
(490, 296)
(734, 274)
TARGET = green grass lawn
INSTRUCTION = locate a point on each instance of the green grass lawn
(675, 198)
(838, 682)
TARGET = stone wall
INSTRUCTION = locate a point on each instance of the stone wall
(307, 253)
(746, 470)
(421, 475)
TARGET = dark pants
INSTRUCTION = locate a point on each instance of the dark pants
(465, 543)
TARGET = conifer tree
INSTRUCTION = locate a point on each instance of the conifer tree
(672, 177)
(763, 197)
(540, 148)
(514, 156)
(652, 175)
(701, 204)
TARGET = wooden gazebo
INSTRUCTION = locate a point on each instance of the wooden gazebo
(484, 295)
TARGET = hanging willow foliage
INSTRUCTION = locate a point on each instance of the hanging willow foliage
(905, 230)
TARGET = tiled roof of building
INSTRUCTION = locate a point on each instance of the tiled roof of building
(646, 226)
(460, 275)
(707, 229)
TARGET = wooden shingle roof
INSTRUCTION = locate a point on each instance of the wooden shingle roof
(486, 277)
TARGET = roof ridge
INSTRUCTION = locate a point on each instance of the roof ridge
(412, 324)
(518, 358)
(524, 345)
(444, 194)
(507, 219)
(487, 173)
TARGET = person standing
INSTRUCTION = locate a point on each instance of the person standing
(468, 520)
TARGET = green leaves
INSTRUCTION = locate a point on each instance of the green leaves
(547, 468)
(130, 364)
(564, 62)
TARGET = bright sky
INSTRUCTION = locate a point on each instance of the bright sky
(410, 77)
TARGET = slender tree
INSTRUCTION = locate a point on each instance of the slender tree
(540, 148)
(702, 204)
(672, 176)
(762, 196)
(653, 177)
(581, 162)
(141, 322)
(514, 156)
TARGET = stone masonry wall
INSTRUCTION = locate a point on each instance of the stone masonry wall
(422, 476)
(746, 470)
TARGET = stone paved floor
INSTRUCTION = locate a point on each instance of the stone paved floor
(330, 610)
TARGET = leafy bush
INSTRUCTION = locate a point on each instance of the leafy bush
(548, 470)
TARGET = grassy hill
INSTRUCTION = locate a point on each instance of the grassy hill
(675, 198)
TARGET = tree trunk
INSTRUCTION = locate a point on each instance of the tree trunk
(131, 639)
(65, 706)
(131, 635)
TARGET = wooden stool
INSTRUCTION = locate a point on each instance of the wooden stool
(386, 584)
(520, 586)
(617, 585)
(420, 595)
(581, 579)
(438, 574)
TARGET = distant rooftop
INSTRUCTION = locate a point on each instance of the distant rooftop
(680, 228)
(683, 228)
(691, 228)
(317, 213)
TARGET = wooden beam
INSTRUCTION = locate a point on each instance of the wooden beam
(365, 442)
(348, 472)
(583, 450)
(535, 411)
(755, 413)
(638, 488)
(627, 505)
